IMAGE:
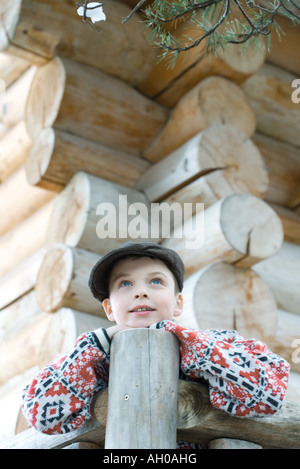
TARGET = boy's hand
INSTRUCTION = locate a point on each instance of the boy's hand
(111, 331)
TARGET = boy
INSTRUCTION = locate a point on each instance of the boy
(140, 285)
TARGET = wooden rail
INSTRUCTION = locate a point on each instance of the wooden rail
(197, 420)
(148, 357)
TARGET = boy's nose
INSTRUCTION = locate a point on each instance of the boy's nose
(141, 293)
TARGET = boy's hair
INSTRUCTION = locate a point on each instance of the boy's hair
(99, 277)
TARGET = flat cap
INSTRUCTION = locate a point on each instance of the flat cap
(99, 276)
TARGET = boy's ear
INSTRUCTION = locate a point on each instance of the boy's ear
(108, 309)
(178, 305)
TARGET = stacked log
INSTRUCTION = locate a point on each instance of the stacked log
(75, 219)
(88, 136)
(39, 31)
(39, 336)
(63, 280)
(221, 295)
(84, 101)
(15, 147)
(213, 100)
(20, 200)
(25, 238)
(168, 84)
(56, 156)
(12, 68)
(239, 229)
(25, 210)
(43, 153)
(282, 273)
(270, 91)
(14, 100)
(220, 151)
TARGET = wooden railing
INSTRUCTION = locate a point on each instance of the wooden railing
(123, 419)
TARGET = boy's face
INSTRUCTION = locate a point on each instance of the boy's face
(142, 292)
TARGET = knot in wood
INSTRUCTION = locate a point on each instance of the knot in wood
(193, 404)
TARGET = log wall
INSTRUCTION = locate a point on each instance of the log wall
(222, 136)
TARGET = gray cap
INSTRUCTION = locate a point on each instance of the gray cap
(99, 276)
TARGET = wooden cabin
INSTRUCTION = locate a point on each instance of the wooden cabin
(87, 117)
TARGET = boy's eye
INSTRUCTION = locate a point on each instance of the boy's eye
(156, 281)
(125, 283)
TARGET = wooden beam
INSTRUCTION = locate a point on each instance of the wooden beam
(295, 199)
(38, 30)
(75, 219)
(197, 421)
(25, 239)
(219, 148)
(11, 68)
(231, 443)
(243, 303)
(20, 279)
(285, 51)
(282, 161)
(270, 93)
(62, 280)
(287, 338)
(168, 84)
(214, 100)
(240, 229)
(15, 98)
(56, 156)
(281, 273)
(93, 105)
(290, 220)
(15, 147)
(19, 200)
(142, 407)
(281, 430)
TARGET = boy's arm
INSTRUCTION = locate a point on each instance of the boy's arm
(245, 378)
(59, 399)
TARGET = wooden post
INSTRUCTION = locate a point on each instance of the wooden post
(143, 387)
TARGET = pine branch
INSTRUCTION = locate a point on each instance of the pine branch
(220, 22)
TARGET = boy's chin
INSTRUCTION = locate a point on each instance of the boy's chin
(145, 322)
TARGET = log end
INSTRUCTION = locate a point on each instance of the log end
(39, 156)
(222, 101)
(70, 212)
(234, 159)
(54, 278)
(10, 13)
(244, 302)
(193, 404)
(251, 226)
(44, 97)
(247, 61)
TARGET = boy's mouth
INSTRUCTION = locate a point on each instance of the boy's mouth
(141, 310)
